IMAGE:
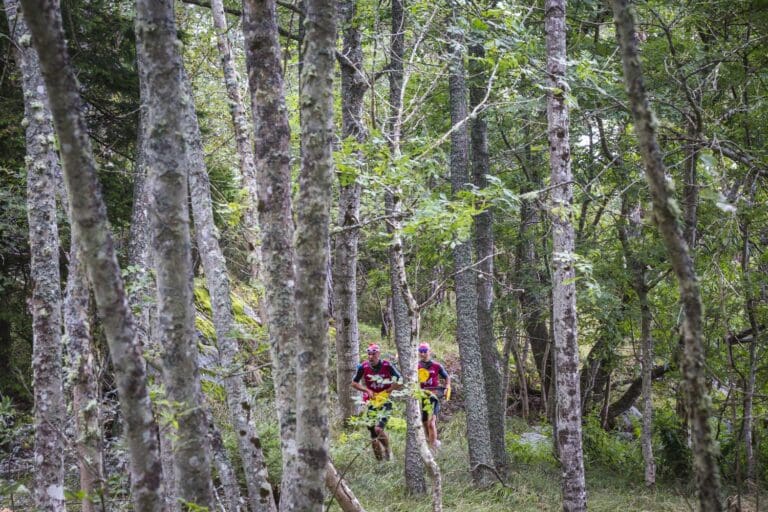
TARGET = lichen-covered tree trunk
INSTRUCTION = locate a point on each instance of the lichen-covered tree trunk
(215, 268)
(666, 214)
(472, 379)
(409, 365)
(242, 139)
(272, 138)
(347, 501)
(160, 60)
(45, 304)
(404, 327)
(353, 87)
(141, 298)
(88, 216)
(312, 225)
(484, 248)
(227, 476)
(86, 402)
(568, 413)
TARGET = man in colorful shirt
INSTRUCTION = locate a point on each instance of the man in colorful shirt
(430, 373)
(376, 377)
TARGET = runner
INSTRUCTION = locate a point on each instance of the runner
(430, 373)
(376, 377)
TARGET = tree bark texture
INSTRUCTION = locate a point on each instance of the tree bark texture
(312, 248)
(472, 379)
(405, 323)
(45, 304)
(273, 153)
(141, 298)
(88, 216)
(242, 136)
(666, 214)
(160, 59)
(565, 325)
(484, 247)
(226, 470)
(217, 280)
(353, 87)
(86, 400)
(343, 495)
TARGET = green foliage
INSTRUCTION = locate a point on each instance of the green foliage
(608, 450)
(674, 456)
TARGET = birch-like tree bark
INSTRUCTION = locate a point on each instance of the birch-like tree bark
(312, 225)
(45, 304)
(404, 325)
(484, 247)
(353, 87)
(472, 379)
(141, 298)
(242, 136)
(160, 60)
(565, 325)
(217, 279)
(666, 214)
(86, 402)
(88, 217)
(272, 139)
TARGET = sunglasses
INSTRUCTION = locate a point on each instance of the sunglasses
(423, 350)
(373, 351)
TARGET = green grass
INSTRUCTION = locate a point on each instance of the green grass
(532, 486)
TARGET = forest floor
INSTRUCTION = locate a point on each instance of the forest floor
(533, 485)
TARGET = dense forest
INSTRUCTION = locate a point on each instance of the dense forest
(307, 255)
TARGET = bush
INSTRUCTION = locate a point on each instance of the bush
(607, 449)
(674, 455)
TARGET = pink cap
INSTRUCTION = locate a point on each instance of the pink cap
(424, 347)
(373, 347)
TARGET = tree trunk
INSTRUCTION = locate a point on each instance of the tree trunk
(647, 355)
(484, 247)
(217, 280)
(340, 490)
(161, 62)
(141, 299)
(45, 303)
(404, 325)
(242, 138)
(86, 400)
(473, 382)
(225, 469)
(313, 218)
(273, 153)
(409, 367)
(89, 219)
(565, 326)
(666, 213)
(353, 87)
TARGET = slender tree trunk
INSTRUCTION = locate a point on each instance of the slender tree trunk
(666, 214)
(472, 379)
(217, 280)
(141, 299)
(404, 326)
(273, 153)
(749, 307)
(347, 501)
(226, 471)
(86, 401)
(410, 375)
(353, 87)
(647, 366)
(565, 325)
(90, 221)
(242, 138)
(45, 304)
(484, 247)
(313, 219)
(161, 62)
